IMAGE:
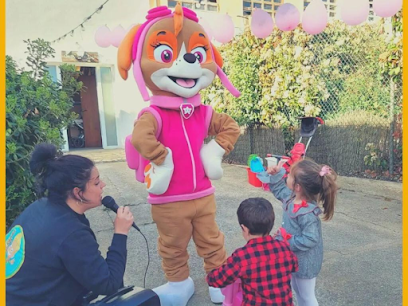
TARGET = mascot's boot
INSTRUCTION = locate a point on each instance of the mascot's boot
(175, 293)
(216, 295)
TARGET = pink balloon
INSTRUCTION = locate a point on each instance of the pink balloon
(207, 28)
(103, 37)
(315, 17)
(287, 17)
(261, 23)
(354, 12)
(118, 34)
(386, 8)
(225, 29)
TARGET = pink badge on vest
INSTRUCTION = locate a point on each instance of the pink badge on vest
(187, 110)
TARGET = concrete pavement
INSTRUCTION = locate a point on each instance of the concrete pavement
(362, 244)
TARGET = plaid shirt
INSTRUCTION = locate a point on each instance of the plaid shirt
(265, 266)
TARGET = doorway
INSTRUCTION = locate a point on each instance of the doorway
(85, 132)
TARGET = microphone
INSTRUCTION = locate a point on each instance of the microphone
(110, 203)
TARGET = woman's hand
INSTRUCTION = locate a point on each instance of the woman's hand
(123, 221)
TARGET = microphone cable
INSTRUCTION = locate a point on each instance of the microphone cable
(148, 259)
(148, 253)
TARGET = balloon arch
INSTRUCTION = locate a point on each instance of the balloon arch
(287, 18)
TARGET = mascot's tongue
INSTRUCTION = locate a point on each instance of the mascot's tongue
(185, 82)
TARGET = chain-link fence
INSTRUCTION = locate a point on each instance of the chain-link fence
(359, 100)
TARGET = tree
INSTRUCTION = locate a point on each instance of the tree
(37, 109)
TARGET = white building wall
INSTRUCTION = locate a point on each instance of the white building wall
(49, 19)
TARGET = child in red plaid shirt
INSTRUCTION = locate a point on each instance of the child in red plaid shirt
(264, 264)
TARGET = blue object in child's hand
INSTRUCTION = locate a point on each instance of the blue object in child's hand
(256, 165)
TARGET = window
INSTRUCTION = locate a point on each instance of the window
(187, 5)
(202, 5)
(172, 3)
(331, 6)
(248, 5)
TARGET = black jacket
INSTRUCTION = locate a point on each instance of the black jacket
(61, 258)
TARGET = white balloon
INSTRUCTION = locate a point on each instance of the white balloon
(261, 23)
(287, 17)
(207, 28)
(103, 37)
(315, 17)
(224, 29)
(117, 36)
(387, 8)
(354, 12)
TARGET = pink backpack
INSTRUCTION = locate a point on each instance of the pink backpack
(134, 160)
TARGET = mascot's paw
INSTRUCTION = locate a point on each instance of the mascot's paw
(157, 178)
(216, 295)
(211, 155)
(175, 293)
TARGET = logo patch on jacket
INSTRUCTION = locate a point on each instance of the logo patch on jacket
(15, 250)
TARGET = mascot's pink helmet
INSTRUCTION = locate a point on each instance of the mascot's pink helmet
(154, 15)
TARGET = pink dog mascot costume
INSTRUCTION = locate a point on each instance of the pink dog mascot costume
(173, 57)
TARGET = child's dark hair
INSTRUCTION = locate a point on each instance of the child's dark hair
(318, 183)
(257, 215)
(59, 175)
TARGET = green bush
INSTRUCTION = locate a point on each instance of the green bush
(37, 109)
(364, 93)
(293, 74)
(357, 118)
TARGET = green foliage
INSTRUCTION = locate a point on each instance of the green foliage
(242, 65)
(373, 159)
(345, 69)
(391, 58)
(38, 50)
(292, 74)
(364, 93)
(37, 109)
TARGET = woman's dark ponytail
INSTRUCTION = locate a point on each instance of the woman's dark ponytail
(59, 175)
(40, 161)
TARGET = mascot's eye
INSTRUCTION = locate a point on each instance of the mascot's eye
(200, 53)
(163, 54)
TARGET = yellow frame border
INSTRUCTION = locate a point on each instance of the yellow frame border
(405, 160)
(3, 146)
(3, 156)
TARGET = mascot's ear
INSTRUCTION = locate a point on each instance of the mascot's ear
(125, 52)
(217, 55)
